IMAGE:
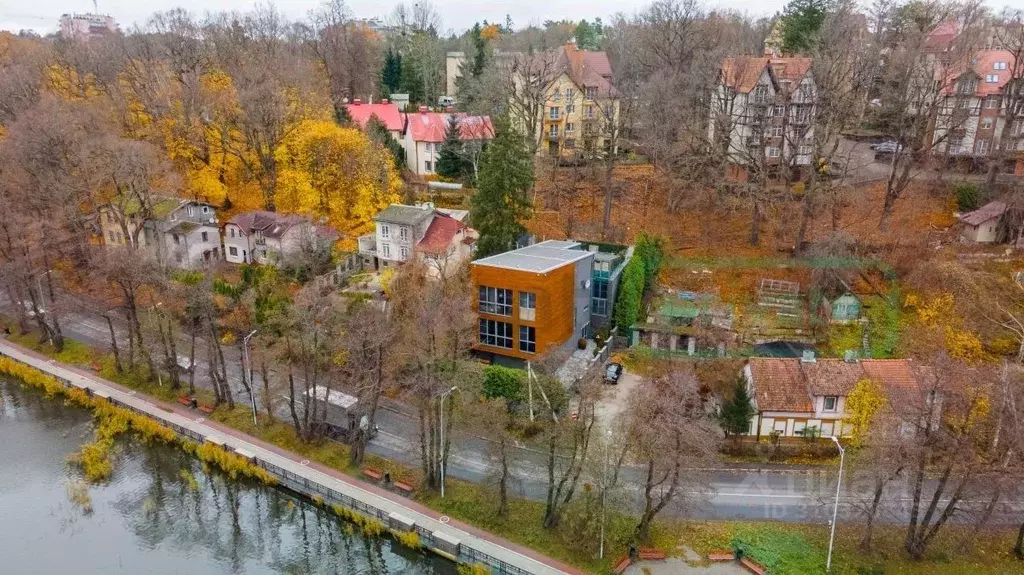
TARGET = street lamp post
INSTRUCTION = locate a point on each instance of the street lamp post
(247, 372)
(604, 488)
(443, 396)
(835, 509)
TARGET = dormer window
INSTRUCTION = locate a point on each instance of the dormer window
(992, 78)
(999, 66)
(831, 402)
(761, 93)
(206, 209)
(188, 210)
(591, 92)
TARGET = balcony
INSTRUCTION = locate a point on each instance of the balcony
(368, 245)
(551, 137)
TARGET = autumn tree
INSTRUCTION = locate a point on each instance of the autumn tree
(348, 52)
(501, 202)
(370, 365)
(325, 170)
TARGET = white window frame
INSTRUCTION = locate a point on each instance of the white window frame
(553, 130)
(428, 166)
(385, 231)
(992, 102)
(569, 127)
(386, 250)
(981, 147)
(527, 306)
(403, 233)
(772, 152)
(992, 78)
(404, 252)
(999, 66)
(835, 404)
(987, 123)
(553, 112)
(804, 150)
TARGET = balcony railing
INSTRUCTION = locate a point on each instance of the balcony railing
(368, 245)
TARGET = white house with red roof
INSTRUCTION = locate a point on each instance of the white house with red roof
(386, 112)
(971, 121)
(425, 132)
(982, 225)
(440, 238)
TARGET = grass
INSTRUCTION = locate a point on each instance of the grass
(787, 547)
(792, 548)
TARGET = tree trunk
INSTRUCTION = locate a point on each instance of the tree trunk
(192, 363)
(267, 403)
(291, 401)
(1018, 548)
(503, 479)
(113, 344)
(755, 224)
(865, 543)
(608, 189)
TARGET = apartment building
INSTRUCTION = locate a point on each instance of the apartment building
(762, 114)
(425, 132)
(970, 121)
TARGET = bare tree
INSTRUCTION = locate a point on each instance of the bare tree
(347, 51)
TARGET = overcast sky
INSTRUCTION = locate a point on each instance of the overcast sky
(42, 15)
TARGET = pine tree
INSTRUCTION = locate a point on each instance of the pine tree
(801, 22)
(341, 116)
(502, 200)
(451, 163)
(480, 51)
(736, 414)
(377, 131)
(391, 74)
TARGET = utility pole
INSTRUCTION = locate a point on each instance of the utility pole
(835, 509)
(443, 396)
(247, 372)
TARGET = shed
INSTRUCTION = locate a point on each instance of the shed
(845, 308)
(982, 225)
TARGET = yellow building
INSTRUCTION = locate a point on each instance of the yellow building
(570, 94)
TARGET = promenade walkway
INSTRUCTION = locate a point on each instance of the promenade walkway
(447, 537)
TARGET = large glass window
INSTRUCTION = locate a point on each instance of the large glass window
(527, 339)
(600, 297)
(527, 306)
(496, 301)
(496, 333)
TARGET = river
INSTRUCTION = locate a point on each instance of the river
(161, 512)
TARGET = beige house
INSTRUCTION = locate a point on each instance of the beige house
(181, 232)
(439, 238)
(579, 111)
(982, 225)
(793, 395)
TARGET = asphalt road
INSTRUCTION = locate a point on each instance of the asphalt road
(779, 493)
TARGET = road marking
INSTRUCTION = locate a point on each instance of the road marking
(444, 519)
(304, 462)
(200, 419)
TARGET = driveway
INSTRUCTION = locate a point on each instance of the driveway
(616, 398)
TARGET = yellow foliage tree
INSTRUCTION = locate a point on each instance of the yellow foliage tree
(325, 170)
(862, 404)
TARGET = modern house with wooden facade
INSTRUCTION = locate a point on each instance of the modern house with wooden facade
(533, 300)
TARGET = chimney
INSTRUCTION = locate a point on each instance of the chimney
(385, 101)
(356, 102)
(423, 109)
(808, 356)
(449, 109)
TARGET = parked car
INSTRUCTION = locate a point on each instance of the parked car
(185, 363)
(889, 146)
(612, 373)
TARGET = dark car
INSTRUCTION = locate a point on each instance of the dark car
(612, 373)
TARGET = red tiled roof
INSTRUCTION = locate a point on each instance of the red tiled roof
(588, 69)
(983, 214)
(387, 113)
(741, 73)
(941, 38)
(431, 126)
(440, 233)
(779, 385)
(983, 66)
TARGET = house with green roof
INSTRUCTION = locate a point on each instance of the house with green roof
(686, 321)
(182, 232)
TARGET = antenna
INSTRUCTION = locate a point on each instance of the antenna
(95, 8)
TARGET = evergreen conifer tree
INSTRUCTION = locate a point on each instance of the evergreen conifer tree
(451, 163)
(736, 414)
(377, 131)
(502, 198)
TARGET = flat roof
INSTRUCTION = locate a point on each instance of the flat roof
(539, 258)
(335, 397)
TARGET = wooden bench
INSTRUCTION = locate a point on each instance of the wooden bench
(721, 555)
(205, 409)
(648, 553)
(372, 473)
(403, 487)
(751, 566)
(185, 400)
(622, 564)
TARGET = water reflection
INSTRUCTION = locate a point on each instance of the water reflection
(161, 512)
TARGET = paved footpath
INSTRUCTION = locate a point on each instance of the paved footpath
(474, 544)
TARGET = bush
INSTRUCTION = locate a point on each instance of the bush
(967, 197)
(503, 382)
(631, 294)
